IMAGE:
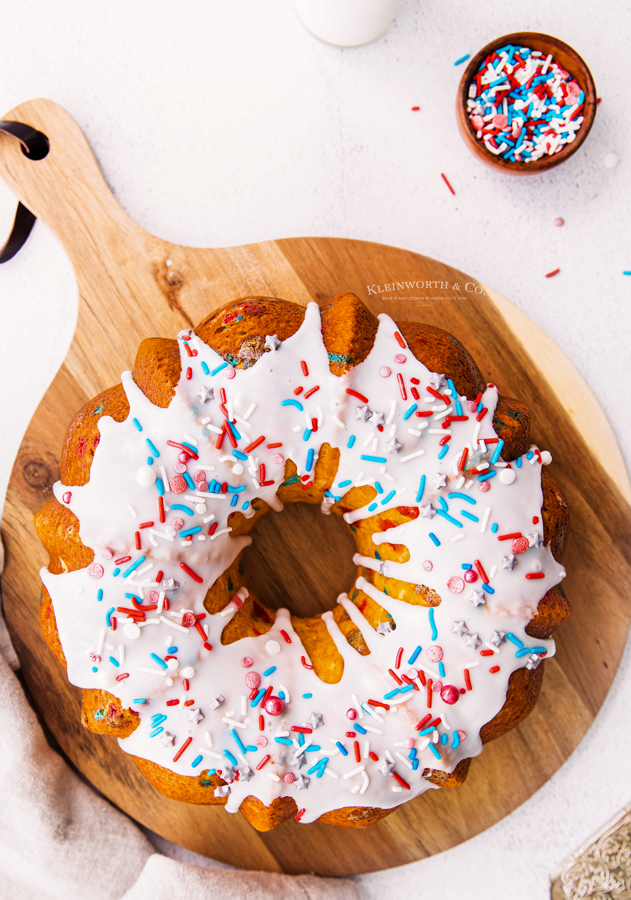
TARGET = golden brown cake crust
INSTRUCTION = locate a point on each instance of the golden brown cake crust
(237, 332)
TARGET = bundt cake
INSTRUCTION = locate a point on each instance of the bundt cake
(438, 646)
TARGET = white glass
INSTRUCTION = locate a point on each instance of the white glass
(347, 23)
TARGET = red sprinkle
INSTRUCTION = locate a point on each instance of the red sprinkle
(415, 108)
(535, 575)
(200, 631)
(188, 349)
(358, 757)
(113, 623)
(286, 636)
(401, 781)
(185, 684)
(262, 472)
(298, 390)
(188, 741)
(193, 575)
(430, 390)
(429, 693)
(273, 446)
(304, 367)
(301, 813)
(395, 676)
(481, 571)
(228, 432)
(494, 669)
(188, 702)
(373, 756)
(122, 676)
(445, 179)
(379, 703)
(486, 652)
(398, 659)
(261, 718)
(409, 681)
(445, 440)
(189, 373)
(555, 272)
(415, 393)
(312, 391)
(254, 444)
(307, 665)
(262, 763)
(222, 395)
(213, 528)
(137, 540)
(208, 646)
(423, 722)
(302, 729)
(400, 340)
(161, 515)
(220, 438)
(423, 414)
(467, 680)
(481, 415)
(404, 393)
(314, 425)
(356, 394)
(172, 702)
(535, 520)
(509, 537)
(463, 459)
(147, 525)
(123, 559)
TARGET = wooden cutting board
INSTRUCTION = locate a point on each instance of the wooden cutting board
(133, 285)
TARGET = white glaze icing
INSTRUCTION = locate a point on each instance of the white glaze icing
(123, 492)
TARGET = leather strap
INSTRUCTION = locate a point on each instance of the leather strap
(35, 146)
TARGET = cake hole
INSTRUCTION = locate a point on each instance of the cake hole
(300, 559)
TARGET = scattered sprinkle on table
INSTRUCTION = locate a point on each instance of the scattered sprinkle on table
(462, 59)
(554, 272)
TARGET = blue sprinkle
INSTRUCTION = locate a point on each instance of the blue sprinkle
(235, 500)
(444, 452)
(452, 388)
(161, 662)
(372, 507)
(409, 412)
(525, 650)
(443, 503)
(432, 623)
(391, 694)
(360, 728)
(307, 696)
(488, 588)
(341, 748)
(114, 662)
(319, 765)
(137, 424)
(495, 527)
(421, 488)
(212, 771)
(460, 496)
(233, 429)
(196, 761)
(415, 764)
(414, 656)
(99, 594)
(150, 460)
(487, 475)
(139, 700)
(184, 509)
(351, 441)
(94, 669)
(258, 698)
(458, 408)
(518, 462)
(160, 486)
(530, 454)
(434, 751)
(157, 718)
(152, 447)
(205, 368)
(236, 490)
(292, 402)
(455, 739)
(238, 740)
(462, 59)
(388, 498)
(412, 753)
(157, 731)
(239, 455)
(441, 669)
(427, 731)
(108, 616)
(344, 484)
(406, 689)
(314, 748)
(497, 451)
(230, 757)
(246, 504)
(443, 739)
(378, 487)
(434, 538)
(310, 456)
(190, 447)
(115, 572)
(172, 650)
(307, 434)
(466, 566)
(251, 748)
(269, 671)
(441, 512)
(281, 694)
(287, 741)
(134, 566)
(189, 481)
(223, 365)
(188, 531)
(468, 515)
(377, 459)
(515, 640)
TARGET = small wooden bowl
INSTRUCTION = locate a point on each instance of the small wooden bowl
(561, 53)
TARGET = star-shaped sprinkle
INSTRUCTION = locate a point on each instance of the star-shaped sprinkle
(459, 628)
(206, 394)
(315, 720)
(437, 381)
(472, 640)
(498, 638)
(217, 701)
(386, 767)
(535, 539)
(384, 628)
(377, 418)
(533, 661)
(228, 773)
(301, 783)
(383, 567)
(245, 773)
(439, 481)
(195, 716)
(477, 598)
(362, 413)
(393, 446)
(166, 739)
(510, 561)
(222, 791)
(428, 512)
(169, 584)
(272, 342)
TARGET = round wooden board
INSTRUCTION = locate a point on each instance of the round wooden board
(133, 285)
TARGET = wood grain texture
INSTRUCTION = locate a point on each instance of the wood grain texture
(132, 286)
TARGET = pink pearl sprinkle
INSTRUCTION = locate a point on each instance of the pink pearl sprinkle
(289, 778)
(261, 741)
(351, 714)
(180, 468)
(450, 694)
(253, 680)
(500, 120)
(412, 673)
(434, 653)
(408, 743)
(274, 706)
(462, 735)
(246, 662)
(385, 371)
(67, 496)
(183, 457)
(107, 554)
(484, 486)
(400, 358)
(437, 686)
(278, 458)
(559, 222)
(230, 372)
(456, 584)
(199, 476)
(202, 486)
(95, 570)
(153, 596)
(477, 122)
(471, 406)
(177, 484)
(470, 577)
(188, 620)
(428, 565)
(178, 523)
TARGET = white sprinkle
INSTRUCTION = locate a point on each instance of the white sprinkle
(396, 790)
(355, 771)
(476, 433)
(427, 670)
(389, 756)
(246, 415)
(445, 722)
(371, 711)
(273, 776)
(100, 642)
(412, 456)
(357, 705)
(482, 445)
(493, 571)
(492, 647)
(471, 665)
(339, 422)
(217, 431)
(221, 531)
(173, 624)
(132, 511)
(354, 789)
(366, 782)
(458, 537)
(406, 761)
(375, 444)
(160, 602)
(320, 416)
(330, 772)
(485, 519)
(144, 569)
(469, 485)
(212, 753)
(233, 722)
(439, 431)
(366, 749)
(393, 409)
(206, 468)
(153, 541)
(190, 439)
(373, 730)
(208, 738)
(442, 415)
(389, 477)
(165, 480)
(414, 432)
(151, 671)
(424, 744)
(161, 534)
(121, 654)
(149, 622)
(368, 440)
(460, 482)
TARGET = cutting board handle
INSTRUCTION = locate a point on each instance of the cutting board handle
(66, 188)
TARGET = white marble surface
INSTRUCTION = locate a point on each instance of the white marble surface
(280, 135)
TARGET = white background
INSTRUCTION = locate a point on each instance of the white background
(224, 123)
